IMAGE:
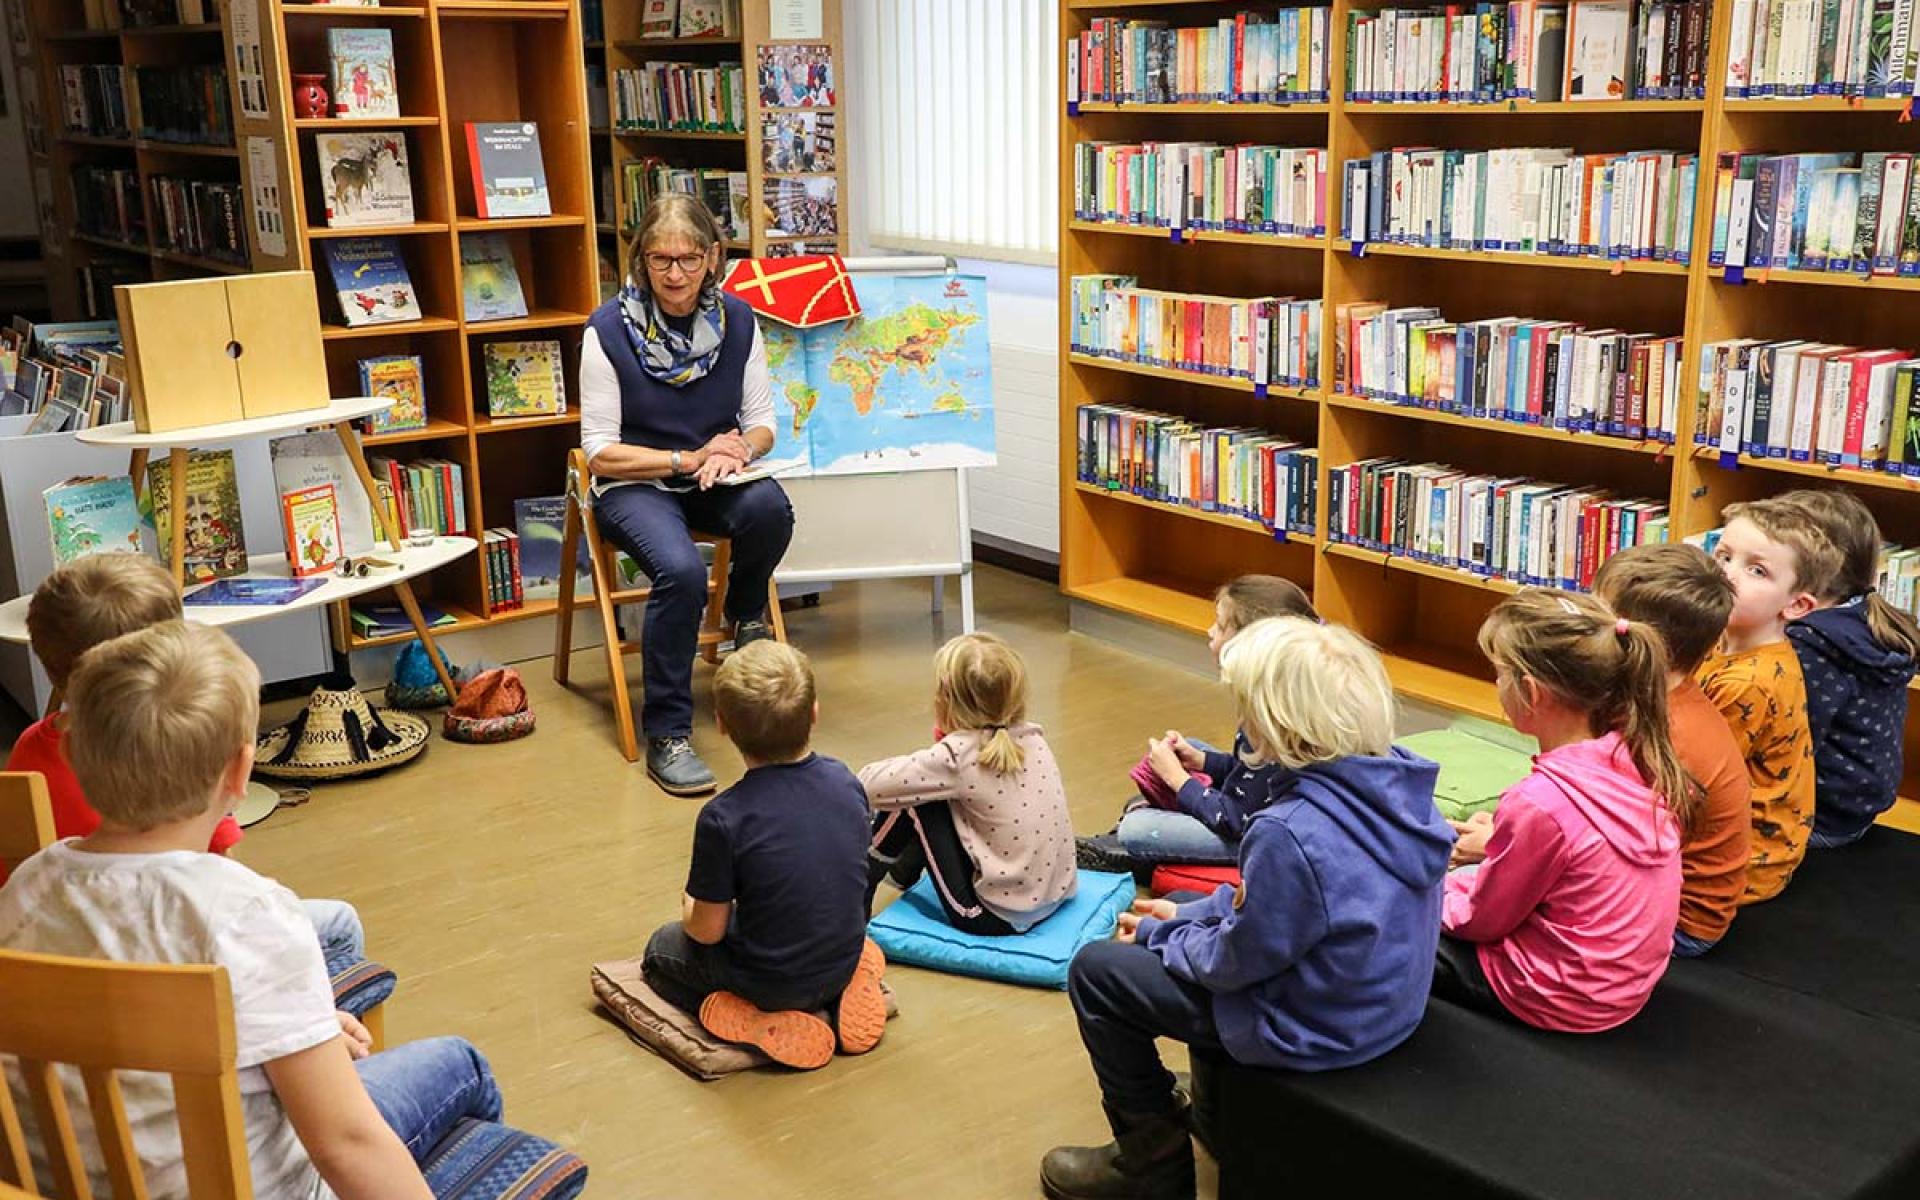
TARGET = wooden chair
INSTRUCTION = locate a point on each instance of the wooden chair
(26, 828)
(105, 1017)
(600, 554)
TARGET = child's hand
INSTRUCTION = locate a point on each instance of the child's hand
(1470, 839)
(1161, 910)
(1189, 757)
(359, 1041)
(1166, 763)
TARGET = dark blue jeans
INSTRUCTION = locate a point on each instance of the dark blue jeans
(652, 525)
(423, 1089)
(1124, 998)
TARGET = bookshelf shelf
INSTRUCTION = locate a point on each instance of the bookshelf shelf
(1224, 520)
(87, 139)
(1512, 258)
(1436, 676)
(1389, 108)
(539, 318)
(1182, 604)
(107, 243)
(479, 225)
(336, 10)
(202, 29)
(435, 428)
(1828, 472)
(1816, 104)
(318, 123)
(1223, 382)
(484, 425)
(1212, 108)
(322, 232)
(462, 620)
(1273, 240)
(187, 149)
(1515, 428)
(1843, 279)
(332, 332)
(1413, 566)
(648, 45)
(213, 266)
(503, 10)
(695, 135)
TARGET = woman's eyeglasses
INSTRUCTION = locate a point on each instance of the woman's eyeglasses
(660, 264)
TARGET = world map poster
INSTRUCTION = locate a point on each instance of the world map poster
(905, 386)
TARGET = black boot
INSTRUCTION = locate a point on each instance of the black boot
(1150, 1158)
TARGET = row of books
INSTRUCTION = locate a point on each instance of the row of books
(365, 179)
(427, 493)
(94, 99)
(202, 217)
(690, 18)
(1899, 580)
(1781, 50)
(1203, 185)
(694, 97)
(500, 550)
(1248, 58)
(1810, 402)
(1637, 204)
(1239, 472)
(1841, 212)
(1263, 340)
(69, 376)
(725, 192)
(1522, 530)
(1557, 374)
(1585, 50)
(184, 104)
(106, 203)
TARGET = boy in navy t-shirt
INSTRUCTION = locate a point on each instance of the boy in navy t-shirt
(773, 927)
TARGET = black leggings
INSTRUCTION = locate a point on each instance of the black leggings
(907, 841)
(1457, 977)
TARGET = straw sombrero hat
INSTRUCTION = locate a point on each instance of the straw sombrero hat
(338, 736)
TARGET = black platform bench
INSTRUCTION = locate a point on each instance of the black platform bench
(1784, 1066)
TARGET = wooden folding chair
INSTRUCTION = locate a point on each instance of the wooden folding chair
(600, 555)
(103, 1017)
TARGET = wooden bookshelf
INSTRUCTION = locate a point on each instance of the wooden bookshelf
(455, 63)
(83, 264)
(619, 46)
(1160, 562)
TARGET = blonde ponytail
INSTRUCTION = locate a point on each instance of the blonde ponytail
(980, 683)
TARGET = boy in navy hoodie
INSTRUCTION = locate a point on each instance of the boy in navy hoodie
(1320, 959)
(1857, 653)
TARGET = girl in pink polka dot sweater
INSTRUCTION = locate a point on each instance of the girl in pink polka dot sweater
(982, 808)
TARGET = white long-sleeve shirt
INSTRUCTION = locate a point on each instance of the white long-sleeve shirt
(600, 398)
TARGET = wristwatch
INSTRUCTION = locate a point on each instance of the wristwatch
(673, 462)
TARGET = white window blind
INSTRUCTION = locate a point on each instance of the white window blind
(957, 106)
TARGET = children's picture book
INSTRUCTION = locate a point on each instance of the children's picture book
(797, 143)
(310, 518)
(540, 521)
(307, 460)
(216, 537)
(399, 376)
(370, 277)
(524, 379)
(489, 278)
(708, 18)
(251, 593)
(92, 514)
(660, 18)
(509, 177)
(363, 178)
(1598, 36)
(363, 75)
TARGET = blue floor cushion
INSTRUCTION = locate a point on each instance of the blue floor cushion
(913, 930)
(482, 1160)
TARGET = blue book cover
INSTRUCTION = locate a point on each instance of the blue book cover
(262, 593)
(540, 522)
(370, 278)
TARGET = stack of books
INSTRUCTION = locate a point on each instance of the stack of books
(1249, 58)
(1779, 50)
(1202, 185)
(69, 376)
(1557, 374)
(1238, 472)
(1521, 530)
(1636, 204)
(725, 192)
(1810, 402)
(1843, 212)
(1585, 50)
(684, 96)
(504, 587)
(1263, 340)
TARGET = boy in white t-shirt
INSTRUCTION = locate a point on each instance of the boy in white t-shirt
(160, 733)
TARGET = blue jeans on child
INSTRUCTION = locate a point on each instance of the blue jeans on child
(651, 525)
(343, 940)
(1124, 997)
(423, 1089)
(1159, 835)
(1830, 841)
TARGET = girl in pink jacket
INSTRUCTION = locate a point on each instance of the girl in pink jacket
(1568, 921)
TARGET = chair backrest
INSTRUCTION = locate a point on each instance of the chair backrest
(26, 817)
(103, 1017)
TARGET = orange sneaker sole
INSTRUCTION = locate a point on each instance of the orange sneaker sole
(862, 1018)
(792, 1039)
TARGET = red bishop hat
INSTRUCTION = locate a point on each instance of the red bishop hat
(802, 291)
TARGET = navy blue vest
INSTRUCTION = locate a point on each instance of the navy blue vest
(660, 417)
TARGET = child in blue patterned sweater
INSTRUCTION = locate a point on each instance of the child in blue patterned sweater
(1857, 652)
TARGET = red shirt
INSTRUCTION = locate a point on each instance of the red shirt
(39, 749)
